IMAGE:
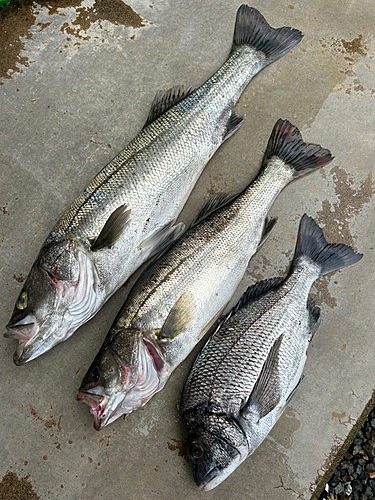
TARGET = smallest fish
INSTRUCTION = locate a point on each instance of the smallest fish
(249, 369)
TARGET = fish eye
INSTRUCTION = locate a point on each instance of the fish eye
(95, 373)
(196, 450)
(22, 301)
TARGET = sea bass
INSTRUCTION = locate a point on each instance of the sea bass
(179, 297)
(127, 213)
(249, 369)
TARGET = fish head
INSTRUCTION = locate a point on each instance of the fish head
(125, 374)
(53, 300)
(215, 449)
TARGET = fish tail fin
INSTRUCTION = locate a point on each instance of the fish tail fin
(312, 244)
(252, 29)
(286, 143)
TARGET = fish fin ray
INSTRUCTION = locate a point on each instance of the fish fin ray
(311, 244)
(161, 240)
(165, 100)
(179, 318)
(214, 202)
(286, 143)
(267, 230)
(113, 228)
(234, 123)
(252, 293)
(264, 397)
(314, 317)
(252, 29)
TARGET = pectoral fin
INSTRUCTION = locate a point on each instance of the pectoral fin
(267, 391)
(180, 317)
(113, 228)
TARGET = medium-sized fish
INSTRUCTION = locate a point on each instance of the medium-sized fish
(249, 369)
(127, 213)
(179, 297)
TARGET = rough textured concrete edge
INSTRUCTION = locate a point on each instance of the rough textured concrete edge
(339, 454)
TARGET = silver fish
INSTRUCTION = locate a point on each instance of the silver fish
(179, 297)
(249, 369)
(127, 213)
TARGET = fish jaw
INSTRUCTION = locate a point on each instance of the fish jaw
(73, 303)
(97, 401)
(149, 378)
(216, 476)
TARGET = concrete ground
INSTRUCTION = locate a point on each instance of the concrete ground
(76, 87)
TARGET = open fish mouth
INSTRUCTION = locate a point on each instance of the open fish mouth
(24, 331)
(98, 404)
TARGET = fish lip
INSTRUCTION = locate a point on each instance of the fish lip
(204, 483)
(98, 405)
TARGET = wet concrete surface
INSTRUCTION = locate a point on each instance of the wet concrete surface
(76, 89)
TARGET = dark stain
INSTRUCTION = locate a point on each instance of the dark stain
(352, 196)
(4, 209)
(17, 18)
(14, 488)
(19, 278)
(355, 47)
(335, 218)
(49, 424)
(180, 446)
(116, 12)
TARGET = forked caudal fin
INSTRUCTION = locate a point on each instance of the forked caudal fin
(252, 29)
(312, 244)
(286, 143)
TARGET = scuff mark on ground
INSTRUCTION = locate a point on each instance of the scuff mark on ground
(14, 488)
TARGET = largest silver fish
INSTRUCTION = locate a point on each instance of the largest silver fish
(179, 296)
(126, 214)
(248, 371)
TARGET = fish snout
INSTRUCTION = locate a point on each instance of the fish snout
(97, 401)
(23, 331)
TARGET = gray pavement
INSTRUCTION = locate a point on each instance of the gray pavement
(83, 93)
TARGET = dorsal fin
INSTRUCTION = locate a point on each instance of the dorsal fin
(252, 293)
(214, 202)
(166, 99)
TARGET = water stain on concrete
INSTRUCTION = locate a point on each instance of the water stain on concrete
(335, 218)
(17, 19)
(337, 415)
(14, 488)
(286, 426)
(351, 198)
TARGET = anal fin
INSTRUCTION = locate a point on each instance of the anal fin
(268, 227)
(234, 123)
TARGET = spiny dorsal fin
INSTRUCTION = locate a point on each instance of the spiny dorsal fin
(166, 99)
(162, 238)
(234, 123)
(180, 317)
(265, 396)
(253, 293)
(214, 202)
(314, 317)
(113, 228)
